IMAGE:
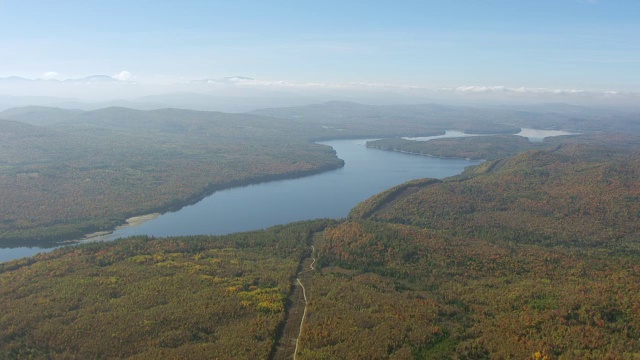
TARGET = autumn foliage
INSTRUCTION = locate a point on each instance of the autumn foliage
(190, 298)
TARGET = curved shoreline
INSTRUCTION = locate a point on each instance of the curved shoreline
(422, 154)
(107, 233)
(132, 221)
(137, 219)
(140, 219)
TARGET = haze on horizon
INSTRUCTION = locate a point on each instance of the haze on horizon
(289, 53)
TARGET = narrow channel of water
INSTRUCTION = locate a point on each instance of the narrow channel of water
(327, 195)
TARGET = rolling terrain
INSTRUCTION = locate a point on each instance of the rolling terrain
(533, 256)
(66, 173)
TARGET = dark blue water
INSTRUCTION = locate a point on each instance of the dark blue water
(328, 195)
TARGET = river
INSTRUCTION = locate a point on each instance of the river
(330, 194)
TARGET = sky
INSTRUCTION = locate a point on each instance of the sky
(469, 45)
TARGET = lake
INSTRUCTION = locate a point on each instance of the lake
(327, 195)
(534, 135)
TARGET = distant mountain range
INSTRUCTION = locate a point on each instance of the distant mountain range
(86, 79)
(343, 119)
(242, 93)
(228, 102)
(39, 115)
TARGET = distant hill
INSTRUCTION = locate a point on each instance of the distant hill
(8, 101)
(90, 106)
(17, 135)
(171, 120)
(411, 118)
(407, 120)
(14, 79)
(39, 115)
(227, 100)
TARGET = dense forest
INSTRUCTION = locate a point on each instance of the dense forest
(92, 171)
(583, 195)
(529, 257)
(192, 297)
(399, 291)
(535, 256)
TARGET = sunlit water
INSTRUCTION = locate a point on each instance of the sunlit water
(533, 135)
(539, 135)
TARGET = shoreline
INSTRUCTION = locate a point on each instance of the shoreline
(138, 219)
(421, 154)
(130, 222)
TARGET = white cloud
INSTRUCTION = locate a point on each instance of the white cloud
(122, 75)
(480, 89)
(245, 81)
(468, 90)
(49, 75)
(525, 90)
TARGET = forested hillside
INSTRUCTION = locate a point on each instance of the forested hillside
(398, 291)
(575, 194)
(93, 171)
(535, 256)
(530, 257)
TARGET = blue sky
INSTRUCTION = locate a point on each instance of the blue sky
(567, 44)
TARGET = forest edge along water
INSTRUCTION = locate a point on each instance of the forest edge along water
(330, 194)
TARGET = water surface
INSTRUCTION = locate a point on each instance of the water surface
(327, 195)
(330, 194)
(534, 135)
